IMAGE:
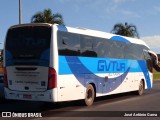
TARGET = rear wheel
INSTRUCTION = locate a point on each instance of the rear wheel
(90, 95)
(141, 88)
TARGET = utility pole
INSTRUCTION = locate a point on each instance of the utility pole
(20, 11)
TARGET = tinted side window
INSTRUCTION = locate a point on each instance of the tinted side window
(148, 60)
(129, 51)
(68, 44)
(72, 44)
(101, 47)
(88, 46)
(116, 49)
(134, 51)
(138, 51)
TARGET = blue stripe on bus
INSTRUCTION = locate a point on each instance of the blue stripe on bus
(62, 28)
(98, 65)
(80, 65)
(80, 68)
(45, 55)
(42, 61)
(119, 38)
(145, 73)
(8, 58)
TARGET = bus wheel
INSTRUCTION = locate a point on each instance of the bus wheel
(90, 95)
(141, 88)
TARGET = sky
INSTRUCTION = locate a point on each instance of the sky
(99, 15)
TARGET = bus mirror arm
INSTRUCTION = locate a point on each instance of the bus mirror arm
(155, 61)
(156, 67)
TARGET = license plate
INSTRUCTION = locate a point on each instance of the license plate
(26, 96)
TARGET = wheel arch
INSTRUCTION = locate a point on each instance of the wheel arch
(143, 83)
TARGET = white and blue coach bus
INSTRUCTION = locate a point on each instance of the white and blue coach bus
(45, 62)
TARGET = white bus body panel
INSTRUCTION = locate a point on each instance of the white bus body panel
(69, 88)
(27, 80)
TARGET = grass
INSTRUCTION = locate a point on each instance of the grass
(156, 75)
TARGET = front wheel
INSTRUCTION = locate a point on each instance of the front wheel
(141, 88)
(90, 95)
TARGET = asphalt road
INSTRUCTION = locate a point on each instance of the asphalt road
(109, 106)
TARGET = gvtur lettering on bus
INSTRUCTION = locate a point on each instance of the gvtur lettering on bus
(104, 65)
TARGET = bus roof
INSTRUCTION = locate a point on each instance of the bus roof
(31, 24)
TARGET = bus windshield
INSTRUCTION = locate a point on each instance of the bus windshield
(28, 43)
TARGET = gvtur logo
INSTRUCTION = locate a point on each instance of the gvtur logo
(114, 66)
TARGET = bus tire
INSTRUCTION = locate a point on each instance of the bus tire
(141, 88)
(90, 95)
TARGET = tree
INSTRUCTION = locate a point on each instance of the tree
(47, 16)
(126, 29)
